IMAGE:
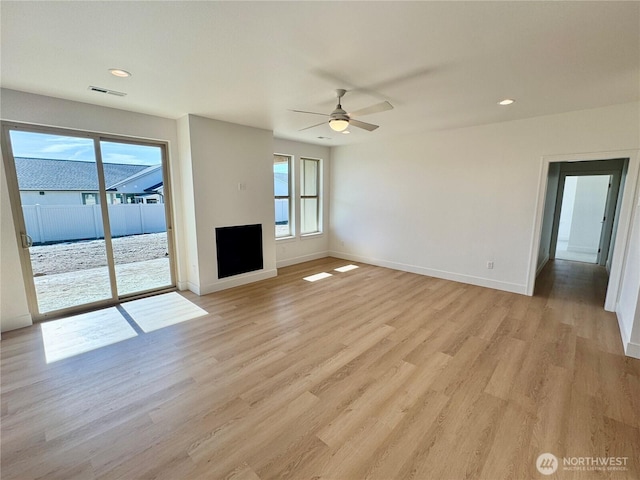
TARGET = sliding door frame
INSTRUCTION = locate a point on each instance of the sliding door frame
(20, 225)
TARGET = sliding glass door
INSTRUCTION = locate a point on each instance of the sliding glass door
(137, 217)
(92, 216)
(58, 187)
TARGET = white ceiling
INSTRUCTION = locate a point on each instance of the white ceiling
(441, 64)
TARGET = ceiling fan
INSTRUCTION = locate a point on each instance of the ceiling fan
(339, 119)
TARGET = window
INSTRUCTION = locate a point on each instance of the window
(90, 199)
(120, 198)
(282, 191)
(310, 197)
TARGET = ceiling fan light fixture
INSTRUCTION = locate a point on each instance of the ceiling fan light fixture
(338, 124)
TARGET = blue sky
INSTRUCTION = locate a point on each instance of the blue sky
(281, 168)
(58, 147)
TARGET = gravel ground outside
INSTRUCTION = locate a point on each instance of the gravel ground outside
(74, 256)
(75, 273)
(69, 289)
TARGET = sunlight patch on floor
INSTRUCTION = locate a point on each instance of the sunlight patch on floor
(317, 276)
(153, 313)
(72, 336)
(346, 268)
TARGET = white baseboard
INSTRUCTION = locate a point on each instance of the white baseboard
(237, 280)
(626, 337)
(193, 287)
(430, 272)
(541, 266)
(301, 259)
(14, 323)
(630, 349)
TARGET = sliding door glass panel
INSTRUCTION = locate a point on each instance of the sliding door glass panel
(60, 202)
(135, 196)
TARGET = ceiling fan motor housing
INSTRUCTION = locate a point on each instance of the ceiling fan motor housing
(339, 114)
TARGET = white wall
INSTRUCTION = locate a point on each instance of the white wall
(445, 203)
(566, 209)
(628, 307)
(588, 211)
(14, 310)
(190, 244)
(299, 248)
(549, 211)
(42, 110)
(224, 156)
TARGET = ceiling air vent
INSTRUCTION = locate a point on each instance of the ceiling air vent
(106, 90)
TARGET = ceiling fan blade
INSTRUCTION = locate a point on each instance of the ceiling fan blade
(378, 107)
(316, 125)
(312, 113)
(367, 126)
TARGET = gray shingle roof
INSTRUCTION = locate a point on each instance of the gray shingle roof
(44, 174)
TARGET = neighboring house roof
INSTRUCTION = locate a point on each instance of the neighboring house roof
(46, 174)
(155, 188)
(132, 178)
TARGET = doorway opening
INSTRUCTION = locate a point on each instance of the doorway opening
(582, 218)
(584, 212)
(92, 215)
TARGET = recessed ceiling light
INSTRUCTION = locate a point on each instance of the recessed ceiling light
(506, 101)
(119, 73)
(346, 132)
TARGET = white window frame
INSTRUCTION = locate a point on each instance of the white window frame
(288, 197)
(317, 196)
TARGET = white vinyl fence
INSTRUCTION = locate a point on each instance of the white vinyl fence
(59, 223)
(282, 210)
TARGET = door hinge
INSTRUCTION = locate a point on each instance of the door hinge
(599, 250)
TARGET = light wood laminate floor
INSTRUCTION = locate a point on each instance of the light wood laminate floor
(367, 374)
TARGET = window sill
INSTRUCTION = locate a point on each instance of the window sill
(286, 239)
(309, 236)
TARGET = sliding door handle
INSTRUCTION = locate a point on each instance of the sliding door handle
(27, 241)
